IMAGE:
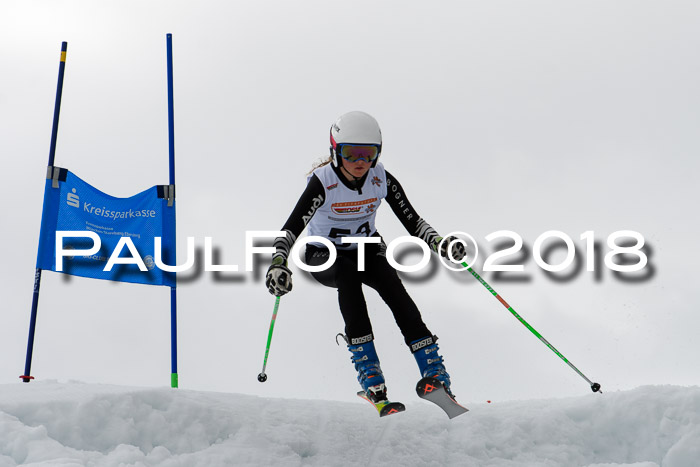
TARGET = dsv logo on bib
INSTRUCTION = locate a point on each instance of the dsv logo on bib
(73, 199)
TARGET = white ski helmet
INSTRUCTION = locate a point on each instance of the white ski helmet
(355, 128)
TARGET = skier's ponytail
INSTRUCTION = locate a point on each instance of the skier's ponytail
(320, 164)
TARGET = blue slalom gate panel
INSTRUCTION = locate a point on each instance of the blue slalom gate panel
(71, 204)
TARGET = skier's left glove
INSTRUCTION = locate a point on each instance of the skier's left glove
(279, 278)
(452, 245)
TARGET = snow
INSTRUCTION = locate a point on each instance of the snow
(76, 424)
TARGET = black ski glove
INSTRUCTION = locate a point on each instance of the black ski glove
(453, 245)
(279, 278)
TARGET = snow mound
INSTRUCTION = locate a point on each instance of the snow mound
(54, 424)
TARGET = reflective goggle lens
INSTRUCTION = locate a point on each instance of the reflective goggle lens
(354, 153)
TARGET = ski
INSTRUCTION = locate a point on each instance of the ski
(384, 407)
(431, 389)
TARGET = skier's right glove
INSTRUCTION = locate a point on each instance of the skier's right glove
(450, 246)
(279, 278)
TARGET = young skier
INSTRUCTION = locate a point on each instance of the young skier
(341, 200)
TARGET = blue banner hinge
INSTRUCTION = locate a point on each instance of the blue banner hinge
(56, 174)
(167, 192)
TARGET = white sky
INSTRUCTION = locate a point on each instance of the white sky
(525, 116)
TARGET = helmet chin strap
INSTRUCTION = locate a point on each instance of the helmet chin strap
(341, 167)
(355, 180)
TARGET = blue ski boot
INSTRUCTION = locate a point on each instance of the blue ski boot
(369, 373)
(430, 363)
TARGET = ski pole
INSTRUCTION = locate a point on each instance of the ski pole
(595, 387)
(262, 377)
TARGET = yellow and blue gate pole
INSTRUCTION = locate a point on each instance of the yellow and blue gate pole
(26, 377)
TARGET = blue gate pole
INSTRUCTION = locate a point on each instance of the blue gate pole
(26, 377)
(171, 146)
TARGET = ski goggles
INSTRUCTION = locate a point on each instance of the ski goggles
(358, 152)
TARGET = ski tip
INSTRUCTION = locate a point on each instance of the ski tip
(384, 408)
(392, 408)
(432, 390)
(427, 385)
